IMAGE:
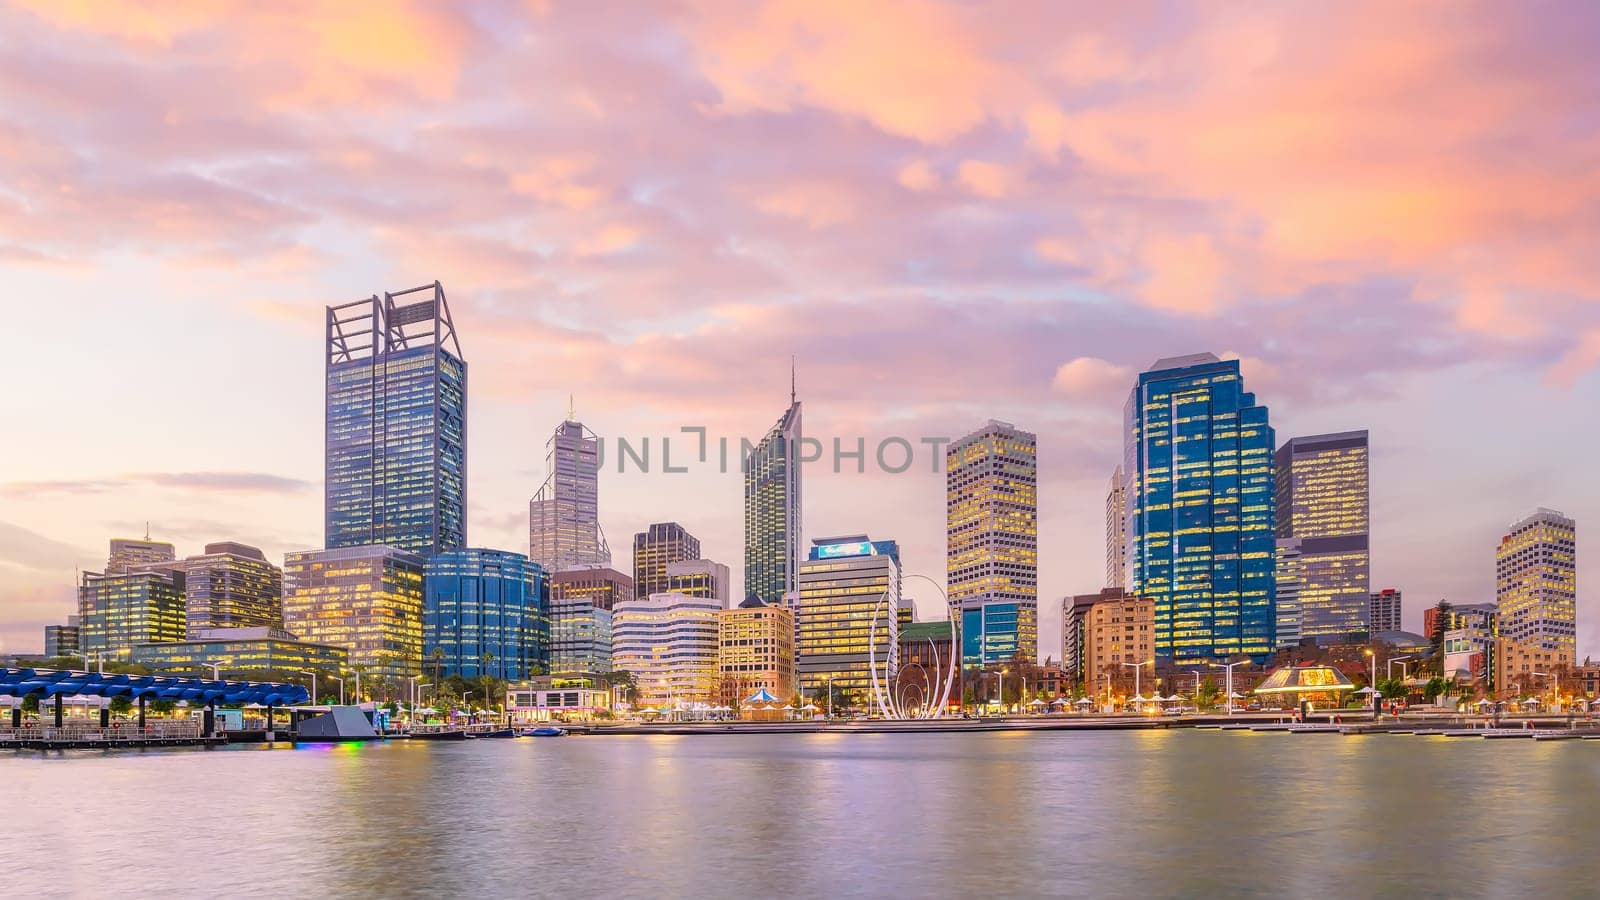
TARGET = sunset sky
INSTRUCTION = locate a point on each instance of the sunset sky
(947, 212)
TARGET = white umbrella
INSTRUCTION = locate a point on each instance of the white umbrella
(1140, 698)
(1486, 702)
(1038, 702)
(1236, 696)
(1366, 690)
(788, 707)
(1084, 701)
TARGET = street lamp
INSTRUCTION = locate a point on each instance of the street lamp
(216, 670)
(1196, 689)
(830, 695)
(1137, 668)
(1002, 697)
(313, 675)
(99, 661)
(1390, 666)
(1107, 677)
(411, 694)
(341, 688)
(1546, 675)
(1229, 667)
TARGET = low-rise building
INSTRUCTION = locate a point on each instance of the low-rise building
(1119, 634)
(245, 654)
(755, 651)
(668, 641)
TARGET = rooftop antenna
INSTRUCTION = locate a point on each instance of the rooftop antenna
(571, 409)
(147, 530)
(792, 393)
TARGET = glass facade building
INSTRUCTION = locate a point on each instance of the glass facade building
(1116, 531)
(142, 604)
(367, 600)
(653, 549)
(992, 542)
(841, 584)
(484, 612)
(232, 585)
(1323, 503)
(1198, 459)
(669, 642)
(564, 516)
(396, 424)
(1288, 577)
(60, 640)
(130, 552)
(772, 511)
(249, 654)
(581, 605)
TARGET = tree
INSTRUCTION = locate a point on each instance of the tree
(1441, 624)
(1391, 688)
(120, 706)
(1435, 687)
(30, 703)
(1209, 695)
(162, 707)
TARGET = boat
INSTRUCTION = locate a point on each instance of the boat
(437, 733)
(545, 731)
(496, 733)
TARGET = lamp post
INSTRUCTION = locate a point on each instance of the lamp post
(313, 675)
(1137, 668)
(1544, 675)
(830, 695)
(411, 695)
(216, 670)
(1389, 666)
(1002, 691)
(341, 688)
(1196, 689)
(99, 661)
(1107, 677)
(1372, 683)
(1229, 667)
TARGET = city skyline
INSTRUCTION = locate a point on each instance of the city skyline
(915, 248)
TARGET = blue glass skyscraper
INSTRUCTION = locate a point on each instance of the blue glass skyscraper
(396, 424)
(484, 612)
(1198, 459)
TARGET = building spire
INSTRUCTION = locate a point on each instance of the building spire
(572, 410)
(792, 394)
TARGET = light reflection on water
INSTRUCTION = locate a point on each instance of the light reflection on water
(1177, 813)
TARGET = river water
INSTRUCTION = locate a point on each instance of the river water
(1176, 813)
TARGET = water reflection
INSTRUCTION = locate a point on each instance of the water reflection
(1170, 813)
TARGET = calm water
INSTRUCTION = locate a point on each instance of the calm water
(1116, 814)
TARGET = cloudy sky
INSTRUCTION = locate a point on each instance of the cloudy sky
(946, 212)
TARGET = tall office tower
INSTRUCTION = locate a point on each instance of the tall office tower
(755, 651)
(1384, 609)
(1322, 502)
(1116, 531)
(700, 578)
(841, 584)
(1198, 461)
(129, 552)
(483, 613)
(564, 517)
(772, 509)
(1536, 590)
(582, 603)
(367, 600)
(669, 642)
(232, 585)
(653, 549)
(992, 542)
(137, 605)
(1289, 574)
(396, 424)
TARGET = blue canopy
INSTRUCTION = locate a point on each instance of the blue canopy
(52, 682)
(761, 696)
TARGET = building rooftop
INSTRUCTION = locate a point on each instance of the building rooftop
(1304, 680)
(1182, 362)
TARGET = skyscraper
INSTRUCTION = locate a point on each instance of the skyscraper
(128, 552)
(653, 549)
(992, 542)
(483, 613)
(772, 510)
(232, 585)
(841, 584)
(1198, 462)
(396, 424)
(139, 604)
(1116, 531)
(582, 605)
(564, 517)
(1322, 502)
(367, 600)
(1536, 591)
